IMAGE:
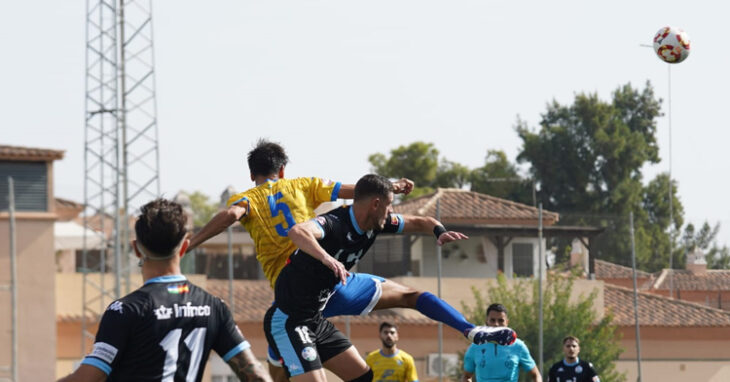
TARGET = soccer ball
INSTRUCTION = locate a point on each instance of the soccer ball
(671, 45)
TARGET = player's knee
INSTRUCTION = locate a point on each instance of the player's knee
(410, 297)
(402, 296)
(367, 377)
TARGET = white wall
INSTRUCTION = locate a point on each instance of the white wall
(480, 260)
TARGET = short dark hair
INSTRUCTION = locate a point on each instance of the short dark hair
(497, 308)
(372, 185)
(266, 158)
(160, 226)
(571, 338)
(386, 324)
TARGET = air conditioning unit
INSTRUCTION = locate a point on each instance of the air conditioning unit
(449, 363)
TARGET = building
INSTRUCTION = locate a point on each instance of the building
(503, 238)
(32, 173)
(680, 340)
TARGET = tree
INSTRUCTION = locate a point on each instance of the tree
(562, 316)
(452, 174)
(417, 161)
(705, 240)
(587, 159)
(499, 177)
(203, 208)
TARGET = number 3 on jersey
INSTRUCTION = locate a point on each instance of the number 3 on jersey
(276, 207)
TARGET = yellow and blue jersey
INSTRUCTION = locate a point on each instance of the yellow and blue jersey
(398, 367)
(272, 208)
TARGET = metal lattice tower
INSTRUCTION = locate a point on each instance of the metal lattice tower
(121, 158)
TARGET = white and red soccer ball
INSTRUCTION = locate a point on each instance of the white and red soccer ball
(671, 45)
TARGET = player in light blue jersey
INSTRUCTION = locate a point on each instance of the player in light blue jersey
(498, 363)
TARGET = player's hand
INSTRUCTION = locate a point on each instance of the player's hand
(403, 186)
(449, 236)
(337, 267)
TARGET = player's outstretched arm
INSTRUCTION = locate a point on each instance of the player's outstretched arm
(535, 375)
(217, 224)
(85, 373)
(305, 235)
(427, 224)
(403, 186)
(248, 368)
(400, 186)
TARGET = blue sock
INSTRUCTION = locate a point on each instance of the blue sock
(438, 310)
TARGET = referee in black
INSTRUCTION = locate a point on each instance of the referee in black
(164, 331)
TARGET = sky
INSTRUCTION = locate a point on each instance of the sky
(335, 81)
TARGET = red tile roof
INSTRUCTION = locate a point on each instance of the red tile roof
(606, 270)
(253, 297)
(461, 206)
(710, 280)
(655, 310)
(28, 153)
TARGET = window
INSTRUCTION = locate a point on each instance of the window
(388, 257)
(522, 259)
(31, 185)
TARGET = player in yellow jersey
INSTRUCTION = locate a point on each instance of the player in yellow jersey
(270, 209)
(390, 364)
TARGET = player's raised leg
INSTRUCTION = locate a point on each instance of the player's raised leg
(395, 295)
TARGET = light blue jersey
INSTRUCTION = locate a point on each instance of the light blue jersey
(492, 362)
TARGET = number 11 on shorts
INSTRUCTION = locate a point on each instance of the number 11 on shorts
(303, 332)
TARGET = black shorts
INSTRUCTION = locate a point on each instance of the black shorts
(302, 343)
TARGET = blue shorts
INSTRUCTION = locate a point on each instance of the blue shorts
(356, 298)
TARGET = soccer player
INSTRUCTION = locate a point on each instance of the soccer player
(165, 330)
(270, 210)
(494, 362)
(572, 369)
(329, 246)
(390, 364)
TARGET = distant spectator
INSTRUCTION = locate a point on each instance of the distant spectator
(571, 368)
(390, 363)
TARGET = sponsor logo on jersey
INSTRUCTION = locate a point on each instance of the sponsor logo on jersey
(326, 182)
(104, 352)
(309, 354)
(178, 288)
(394, 220)
(190, 310)
(163, 313)
(178, 311)
(116, 306)
(578, 369)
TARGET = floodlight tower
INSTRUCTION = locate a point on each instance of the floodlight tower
(121, 161)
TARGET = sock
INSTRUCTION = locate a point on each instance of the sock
(437, 309)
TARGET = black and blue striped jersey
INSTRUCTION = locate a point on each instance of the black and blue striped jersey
(579, 371)
(164, 332)
(307, 283)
